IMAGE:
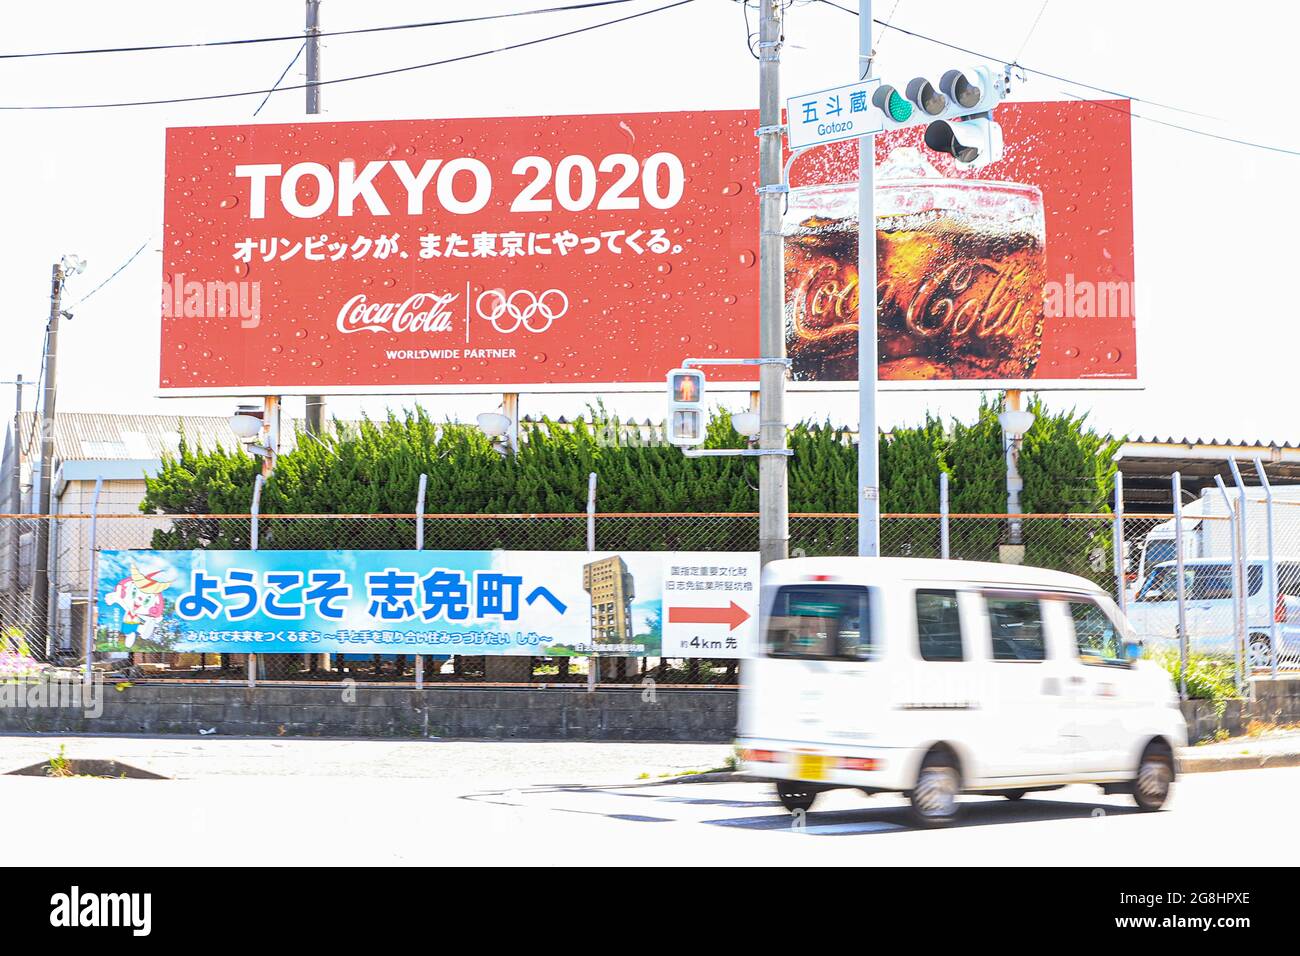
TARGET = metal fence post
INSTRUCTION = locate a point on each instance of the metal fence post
(1274, 648)
(419, 546)
(1121, 585)
(92, 598)
(943, 514)
(1180, 586)
(593, 662)
(1243, 550)
(1233, 537)
(254, 512)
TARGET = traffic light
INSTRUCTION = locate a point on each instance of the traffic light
(957, 112)
(686, 418)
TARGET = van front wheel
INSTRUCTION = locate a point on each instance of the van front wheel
(795, 798)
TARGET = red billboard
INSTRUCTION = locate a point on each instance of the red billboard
(583, 253)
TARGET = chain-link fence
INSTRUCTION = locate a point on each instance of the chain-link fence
(1223, 598)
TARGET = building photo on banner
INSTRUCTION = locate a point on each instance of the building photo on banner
(527, 603)
(582, 253)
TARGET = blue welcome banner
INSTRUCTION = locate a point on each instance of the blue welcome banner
(534, 603)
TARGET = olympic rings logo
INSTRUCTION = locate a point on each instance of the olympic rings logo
(521, 306)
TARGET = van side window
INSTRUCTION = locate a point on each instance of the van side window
(1016, 627)
(1288, 578)
(938, 626)
(1095, 635)
(820, 621)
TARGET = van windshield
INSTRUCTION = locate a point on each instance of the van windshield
(821, 621)
(1202, 582)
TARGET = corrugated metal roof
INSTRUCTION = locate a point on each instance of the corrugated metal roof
(1215, 442)
(92, 436)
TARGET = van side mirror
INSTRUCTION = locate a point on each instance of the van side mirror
(1131, 650)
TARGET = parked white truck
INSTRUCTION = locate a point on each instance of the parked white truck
(1206, 528)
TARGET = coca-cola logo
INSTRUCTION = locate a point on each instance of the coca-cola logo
(421, 312)
(983, 298)
(980, 297)
(826, 303)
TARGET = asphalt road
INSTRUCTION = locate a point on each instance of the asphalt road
(560, 814)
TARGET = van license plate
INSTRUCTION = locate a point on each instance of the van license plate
(810, 766)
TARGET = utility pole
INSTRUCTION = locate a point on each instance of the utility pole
(15, 480)
(315, 413)
(773, 499)
(41, 579)
(868, 368)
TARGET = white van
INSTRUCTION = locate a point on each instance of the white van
(936, 678)
(1209, 610)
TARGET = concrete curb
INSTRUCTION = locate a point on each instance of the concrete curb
(1237, 762)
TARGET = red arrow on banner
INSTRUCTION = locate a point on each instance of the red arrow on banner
(733, 616)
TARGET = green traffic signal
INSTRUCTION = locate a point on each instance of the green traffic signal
(892, 103)
(899, 108)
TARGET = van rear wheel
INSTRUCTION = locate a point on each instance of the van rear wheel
(1013, 794)
(1155, 778)
(934, 798)
(795, 798)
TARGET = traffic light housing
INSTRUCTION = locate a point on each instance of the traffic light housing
(957, 112)
(686, 417)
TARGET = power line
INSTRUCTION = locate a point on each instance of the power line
(267, 98)
(298, 36)
(361, 76)
(1186, 129)
(1032, 28)
(1089, 86)
(115, 274)
(1021, 66)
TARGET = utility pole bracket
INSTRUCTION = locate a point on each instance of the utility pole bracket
(687, 363)
(735, 452)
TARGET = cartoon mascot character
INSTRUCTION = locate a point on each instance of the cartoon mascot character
(140, 597)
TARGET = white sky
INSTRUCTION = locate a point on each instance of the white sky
(1215, 222)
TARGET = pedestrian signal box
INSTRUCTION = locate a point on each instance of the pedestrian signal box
(686, 419)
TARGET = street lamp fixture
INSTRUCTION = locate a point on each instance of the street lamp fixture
(493, 424)
(497, 429)
(746, 423)
(246, 423)
(1015, 423)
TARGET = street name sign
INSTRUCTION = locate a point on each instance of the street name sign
(828, 116)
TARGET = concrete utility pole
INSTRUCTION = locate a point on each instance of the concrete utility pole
(315, 413)
(41, 579)
(15, 480)
(773, 500)
(868, 367)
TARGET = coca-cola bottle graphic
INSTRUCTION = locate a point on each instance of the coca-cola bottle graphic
(960, 268)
